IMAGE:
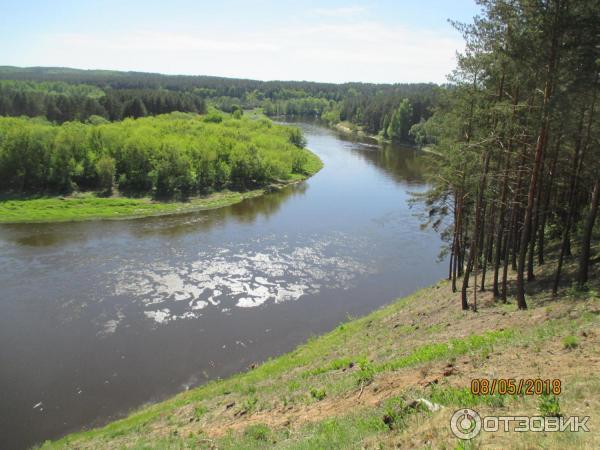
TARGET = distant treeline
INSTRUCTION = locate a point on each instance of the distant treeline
(389, 111)
(61, 102)
(132, 94)
(177, 154)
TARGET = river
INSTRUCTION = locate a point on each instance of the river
(98, 318)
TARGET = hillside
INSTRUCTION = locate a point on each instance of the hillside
(360, 385)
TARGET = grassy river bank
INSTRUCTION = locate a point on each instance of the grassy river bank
(161, 157)
(90, 206)
(362, 384)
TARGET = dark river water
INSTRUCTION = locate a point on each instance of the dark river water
(97, 318)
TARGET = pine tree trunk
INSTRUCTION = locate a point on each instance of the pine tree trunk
(473, 256)
(464, 237)
(457, 236)
(580, 147)
(499, 243)
(534, 226)
(453, 247)
(539, 151)
(546, 207)
(507, 247)
(516, 212)
(487, 257)
(512, 229)
(501, 238)
(587, 236)
(566, 243)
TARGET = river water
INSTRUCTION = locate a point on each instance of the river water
(97, 318)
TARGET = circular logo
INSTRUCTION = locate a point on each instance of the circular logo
(465, 424)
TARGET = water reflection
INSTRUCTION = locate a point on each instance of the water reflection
(245, 212)
(40, 239)
(401, 163)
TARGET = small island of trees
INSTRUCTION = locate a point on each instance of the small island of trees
(173, 155)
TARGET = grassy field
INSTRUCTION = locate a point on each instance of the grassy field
(361, 385)
(88, 206)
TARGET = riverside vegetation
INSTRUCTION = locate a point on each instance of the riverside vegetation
(173, 156)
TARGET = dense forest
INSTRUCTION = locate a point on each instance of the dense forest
(177, 154)
(70, 94)
(61, 102)
(517, 145)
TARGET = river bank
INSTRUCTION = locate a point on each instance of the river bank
(90, 206)
(361, 385)
(355, 130)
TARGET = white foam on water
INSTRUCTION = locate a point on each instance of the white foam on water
(198, 304)
(110, 326)
(160, 316)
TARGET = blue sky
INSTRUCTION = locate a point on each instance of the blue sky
(333, 41)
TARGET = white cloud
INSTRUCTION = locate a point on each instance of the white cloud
(143, 41)
(347, 11)
(337, 52)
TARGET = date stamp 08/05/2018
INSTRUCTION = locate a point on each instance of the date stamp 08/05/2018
(512, 386)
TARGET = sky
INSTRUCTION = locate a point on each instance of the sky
(383, 41)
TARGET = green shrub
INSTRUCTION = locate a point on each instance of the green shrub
(105, 168)
(549, 405)
(199, 411)
(249, 404)
(463, 398)
(213, 117)
(365, 374)
(318, 394)
(570, 342)
(258, 432)
(395, 413)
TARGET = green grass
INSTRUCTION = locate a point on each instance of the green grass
(455, 347)
(336, 364)
(332, 433)
(312, 165)
(549, 405)
(570, 342)
(346, 431)
(88, 206)
(318, 394)
(449, 396)
(258, 432)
